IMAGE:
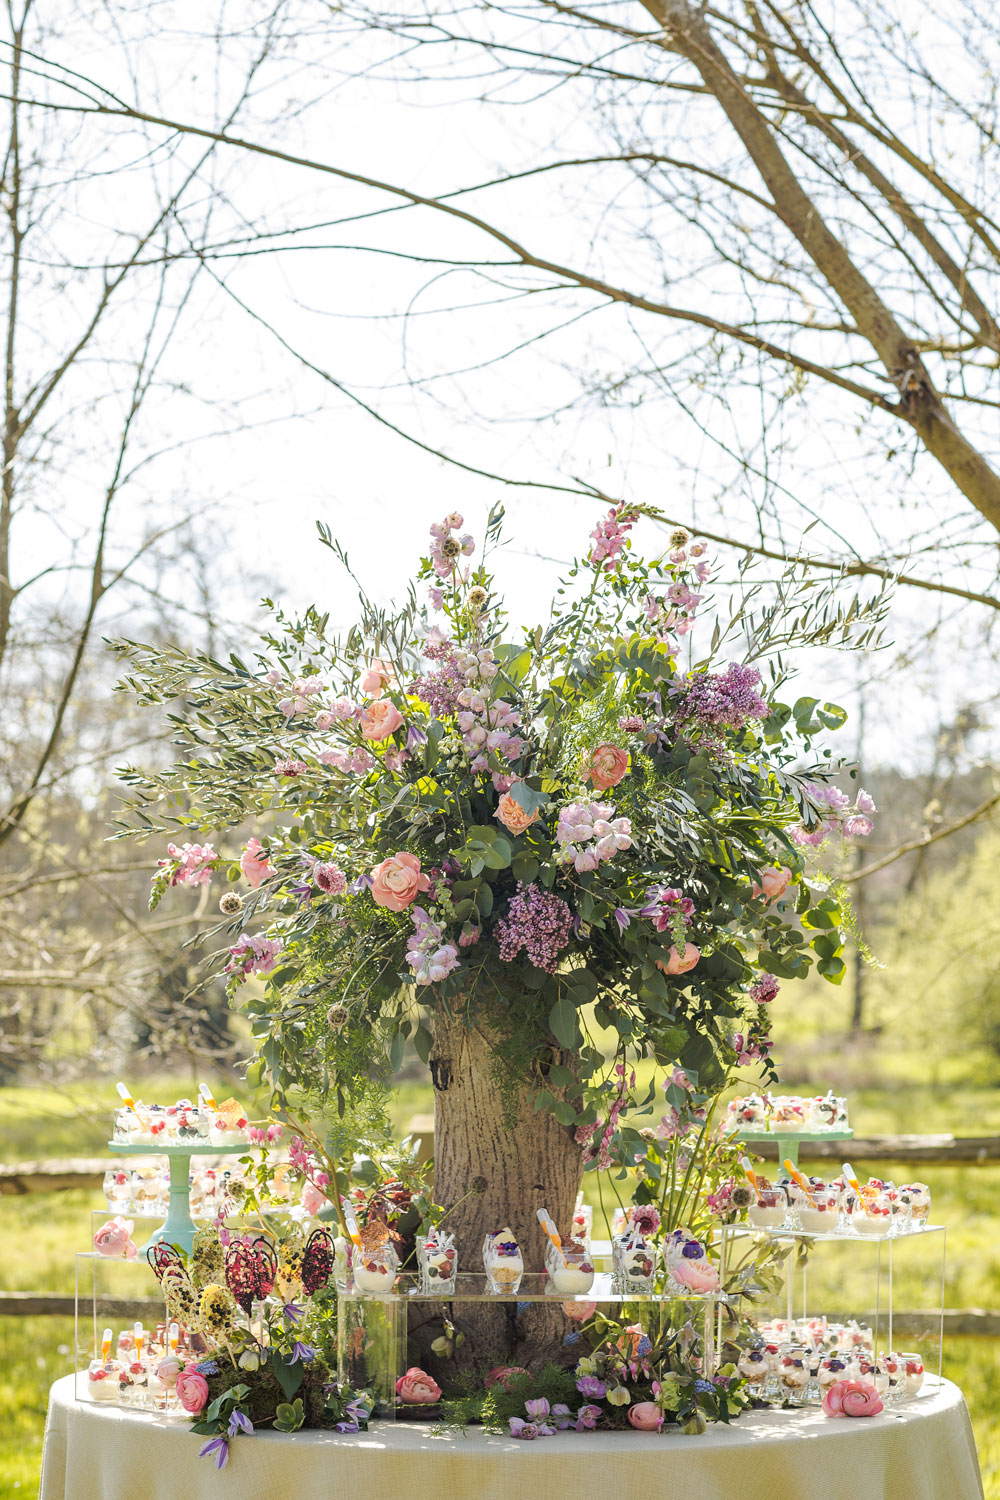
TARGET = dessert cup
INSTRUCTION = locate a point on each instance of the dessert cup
(793, 1374)
(634, 1259)
(503, 1262)
(375, 1270)
(817, 1211)
(913, 1373)
(873, 1215)
(573, 1276)
(753, 1366)
(102, 1380)
(438, 1262)
(769, 1210)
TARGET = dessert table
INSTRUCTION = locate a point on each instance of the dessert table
(922, 1450)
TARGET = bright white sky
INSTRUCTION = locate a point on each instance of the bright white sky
(303, 450)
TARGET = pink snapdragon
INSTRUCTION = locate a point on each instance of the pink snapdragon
(255, 863)
(193, 863)
(610, 537)
(253, 955)
(588, 833)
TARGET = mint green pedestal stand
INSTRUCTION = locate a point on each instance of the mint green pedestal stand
(788, 1144)
(179, 1228)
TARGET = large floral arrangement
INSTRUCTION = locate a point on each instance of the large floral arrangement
(582, 841)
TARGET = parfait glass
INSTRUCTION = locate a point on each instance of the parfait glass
(118, 1190)
(572, 1271)
(634, 1262)
(503, 1262)
(873, 1215)
(816, 1211)
(913, 1373)
(438, 1262)
(769, 1208)
(375, 1270)
(896, 1376)
(793, 1374)
(753, 1366)
(831, 1369)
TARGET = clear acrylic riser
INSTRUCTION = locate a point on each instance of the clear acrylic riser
(113, 1294)
(380, 1335)
(894, 1283)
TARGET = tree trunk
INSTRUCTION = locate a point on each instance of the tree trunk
(535, 1163)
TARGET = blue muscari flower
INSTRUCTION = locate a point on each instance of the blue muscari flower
(207, 1367)
(573, 1337)
(523, 1306)
(704, 1388)
(643, 1346)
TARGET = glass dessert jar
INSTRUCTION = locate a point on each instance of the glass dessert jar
(375, 1270)
(769, 1209)
(753, 1366)
(793, 1374)
(913, 1373)
(634, 1259)
(102, 1380)
(873, 1214)
(438, 1262)
(816, 1211)
(917, 1196)
(572, 1272)
(831, 1369)
(503, 1261)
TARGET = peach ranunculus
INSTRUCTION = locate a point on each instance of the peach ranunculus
(680, 963)
(774, 882)
(255, 863)
(852, 1398)
(513, 816)
(608, 765)
(114, 1239)
(645, 1416)
(416, 1388)
(376, 678)
(379, 719)
(398, 880)
(192, 1391)
(579, 1312)
(697, 1275)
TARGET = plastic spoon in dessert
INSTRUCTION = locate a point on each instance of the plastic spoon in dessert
(548, 1224)
(750, 1176)
(138, 1333)
(106, 1346)
(799, 1180)
(351, 1223)
(126, 1098)
(174, 1337)
(205, 1095)
(849, 1177)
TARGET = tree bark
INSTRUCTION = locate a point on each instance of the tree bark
(534, 1163)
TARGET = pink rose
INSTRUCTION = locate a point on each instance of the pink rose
(608, 765)
(380, 719)
(502, 1375)
(397, 881)
(416, 1388)
(512, 815)
(680, 963)
(697, 1275)
(168, 1370)
(376, 678)
(192, 1391)
(579, 1312)
(773, 882)
(255, 863)
(646, 1416)
(852, 1398)
(114, 1239)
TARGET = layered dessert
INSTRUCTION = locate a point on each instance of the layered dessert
(438, 1262)
(503, 1261)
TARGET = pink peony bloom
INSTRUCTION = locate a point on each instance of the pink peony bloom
(680, 963)
(255, 862)
(513, 816)
(416, 1388)
(852, 1398)
(397, 881)
(114, 1239)
(192, 1391)
(608, 765)
(376, 678)
(579, 1312)
(646, 1416)
(380, 719)
(774, 882)
(697, 1275)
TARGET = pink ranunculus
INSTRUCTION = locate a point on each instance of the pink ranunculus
(380, 719)
(680, 963)
(192, 1391)
(608, 765)
(255, 863)
(502, 1375)
(579, 1312)
(774, 882)
(646, 1416)
(376, 678)
(697, 1275)
(114, 1239)
(416, 1388)
(397, 881)
(312, 1199)
(852, 1398)
(513, 816)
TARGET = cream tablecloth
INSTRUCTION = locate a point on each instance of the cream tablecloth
(922, 1451)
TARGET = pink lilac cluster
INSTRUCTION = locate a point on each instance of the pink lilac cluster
(253, 955)
(440, 689)
(300, 694)
(764, 989)
(358, 761)
(193, 863)
(446, 549)
(429, 958)
(839, 816)
(609, 537)
(538, 921)
(588, 832)
(717, 700)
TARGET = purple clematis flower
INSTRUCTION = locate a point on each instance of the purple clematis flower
(305, 1352)
(587, 1418)
(220, 1447)
(292, 1313)
(239, 1422)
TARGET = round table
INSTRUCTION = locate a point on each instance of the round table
(920, 1451)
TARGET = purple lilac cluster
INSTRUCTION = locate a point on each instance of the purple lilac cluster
(719, 700)
(838, 815)
(764, 989)
(537, 921)
(429, 958)
(440, 689)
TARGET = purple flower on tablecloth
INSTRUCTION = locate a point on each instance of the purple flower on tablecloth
(561, 1416)
(348, 1427)
(589, 1385)
(537, 1408)
(519, 1428)
(587, 1418)
(305, 1352)
(220, 1447)
(239, 1422)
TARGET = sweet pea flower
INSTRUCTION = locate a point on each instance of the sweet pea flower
(589, 1385)
(255, 863)
(587, 1418)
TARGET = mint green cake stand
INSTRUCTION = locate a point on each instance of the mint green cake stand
(179, 1228)
(788, 1142)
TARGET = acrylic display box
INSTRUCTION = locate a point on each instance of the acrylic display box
(894, 1284)
(115, 1294)
(379, 1336)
